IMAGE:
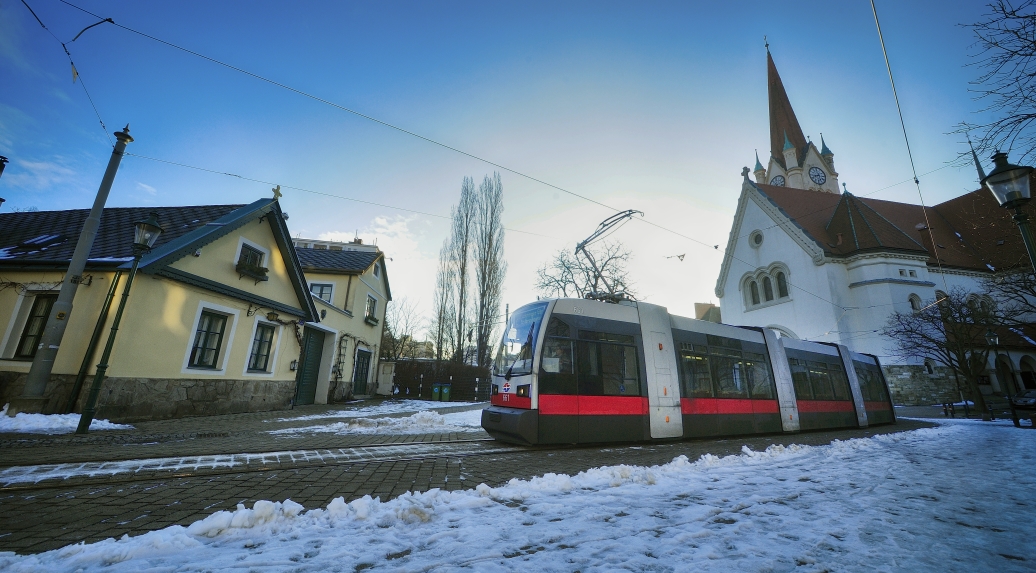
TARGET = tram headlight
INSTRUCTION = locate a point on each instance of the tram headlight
(496, 389)
(523, 391)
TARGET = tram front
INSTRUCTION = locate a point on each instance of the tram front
(511, 416)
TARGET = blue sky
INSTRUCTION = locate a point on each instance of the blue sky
(649, 106)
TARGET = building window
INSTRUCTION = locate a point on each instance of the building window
(372, 307)
(322, 290)
(913, 273)
(250, 257)
(902, 272)
(929, 367)
(782, 285)
(754, 287)
(755, 239)
(208, 340)
(377, 269)
(33, 331)
(915, 302)
(767, 289)
(259, 359)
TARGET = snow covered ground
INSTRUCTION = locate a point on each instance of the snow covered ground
(384, 408)
(50, 423)
(953, 498)
(420, 423)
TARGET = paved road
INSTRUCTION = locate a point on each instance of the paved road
(50, 513)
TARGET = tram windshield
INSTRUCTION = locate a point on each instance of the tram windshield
(515, 355)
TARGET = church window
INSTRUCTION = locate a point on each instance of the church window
(767, 289)
(755, 238)
(754, 287)
(777, 181)
(782, 285)
(915, 302)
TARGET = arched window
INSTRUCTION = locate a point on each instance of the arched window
(915, 302)
(782, 285)
(767, 289)
(754, 287)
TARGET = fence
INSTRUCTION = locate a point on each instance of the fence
(414, 379)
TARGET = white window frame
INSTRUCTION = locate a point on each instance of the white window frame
(19, 314)
(275, 349)
(243, 241)
(371, 297)
(330, 302)
(233, 315)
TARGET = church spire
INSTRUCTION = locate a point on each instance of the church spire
(784, 126)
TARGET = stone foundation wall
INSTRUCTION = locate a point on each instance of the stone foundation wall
(139, 399)
(914, 386)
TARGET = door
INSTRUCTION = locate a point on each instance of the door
(313, 346)
(660, 358)
(361, 371)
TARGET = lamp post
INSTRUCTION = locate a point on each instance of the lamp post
(1010, 185)
(994, 341)
(145, 235)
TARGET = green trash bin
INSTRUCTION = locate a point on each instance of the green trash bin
(436, 392)
(445, 392)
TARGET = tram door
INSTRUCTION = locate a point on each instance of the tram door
(660, 359)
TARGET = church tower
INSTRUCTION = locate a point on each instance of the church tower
(794, 160)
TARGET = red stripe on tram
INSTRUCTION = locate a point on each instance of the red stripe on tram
(511, 401)
(876, 406)
(694, 406)
(813, 406)
(566, 405)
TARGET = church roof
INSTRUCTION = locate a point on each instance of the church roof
(971, 231)
(784, 126)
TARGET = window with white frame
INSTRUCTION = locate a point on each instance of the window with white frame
(915, 302)
(34, 324)
(262, 345)
(372, 307)
(377, 269)
(766, 287)
(208, 340)
(322, 290)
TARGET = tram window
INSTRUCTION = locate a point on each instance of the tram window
(697, 381)
(840, 382)
(820, 381)
(729, 375)
(760, 384)
(606, 337)
(723, 341)
(557, 372)
(557, 328)
(800, 379)
(607, 370)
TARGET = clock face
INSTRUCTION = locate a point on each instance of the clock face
(817, 175)
(777, 181)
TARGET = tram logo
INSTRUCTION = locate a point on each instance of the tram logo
(507, 386)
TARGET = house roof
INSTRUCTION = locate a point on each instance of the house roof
(971, 231)
(784, 126)
(343, 262)
(49, 237)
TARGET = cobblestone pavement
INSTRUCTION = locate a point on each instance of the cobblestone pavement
(37, 517)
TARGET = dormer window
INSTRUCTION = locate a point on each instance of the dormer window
(322, 291)
(250, 257)
(250, 263)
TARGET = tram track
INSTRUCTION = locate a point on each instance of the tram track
(81, 474)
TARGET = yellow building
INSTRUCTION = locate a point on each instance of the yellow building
(350, 288)
(216, 320)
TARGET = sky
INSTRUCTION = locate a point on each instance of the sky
(890, 502)
(653, 106)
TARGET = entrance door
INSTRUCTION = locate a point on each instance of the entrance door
(313, 346)
(361, 371)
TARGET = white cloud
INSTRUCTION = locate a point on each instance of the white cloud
(147, 188)
(39, 174)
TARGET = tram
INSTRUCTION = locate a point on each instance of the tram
(585, 371)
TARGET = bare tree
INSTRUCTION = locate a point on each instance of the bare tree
(1015, 293)
(460, 249)
(950, 332)
(490, 267)
(401, 323)
(567, 275)
(444, 304)
(1005, 53)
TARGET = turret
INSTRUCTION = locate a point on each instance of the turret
(760, 171)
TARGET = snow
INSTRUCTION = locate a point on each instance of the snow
(385, 407)
(895, 502)
(50, 423)
(420, 423)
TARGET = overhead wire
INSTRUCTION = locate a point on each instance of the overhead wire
(419, 136)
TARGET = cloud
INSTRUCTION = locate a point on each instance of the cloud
(10, 37)
(147, 188)
(39, 175)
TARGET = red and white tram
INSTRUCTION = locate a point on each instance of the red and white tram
(584, 371)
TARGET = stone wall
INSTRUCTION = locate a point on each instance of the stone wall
(138, 399)
(914, 386)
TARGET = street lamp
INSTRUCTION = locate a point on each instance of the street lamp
(1010, 185)
(994, 341)
(144, 236)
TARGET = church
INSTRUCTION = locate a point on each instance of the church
(813, 261)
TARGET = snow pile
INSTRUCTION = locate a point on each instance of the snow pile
(385, 407)
(899, 502)
(50, 423)
(420, 423)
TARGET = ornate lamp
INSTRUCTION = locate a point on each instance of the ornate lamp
(1010, 185)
